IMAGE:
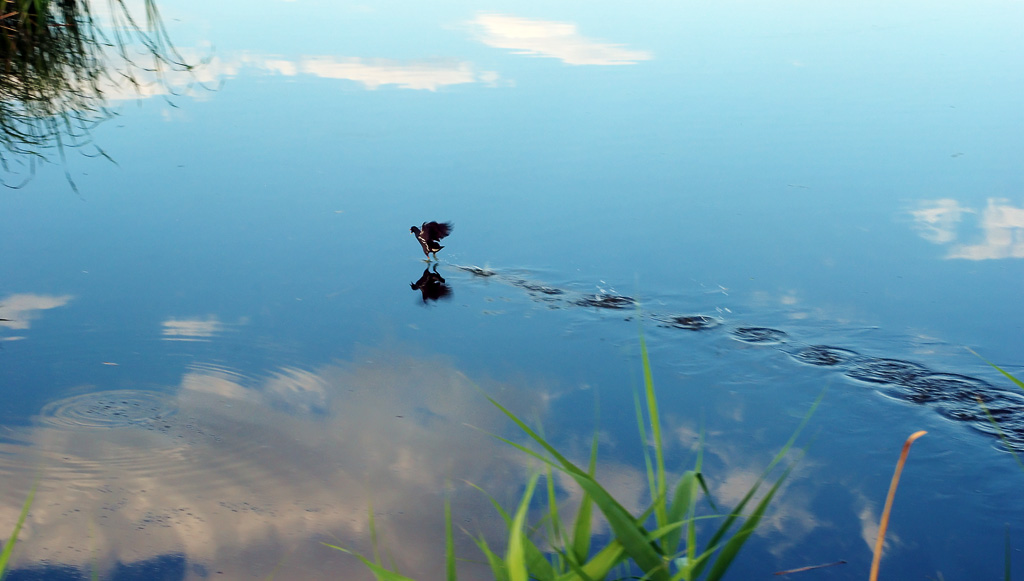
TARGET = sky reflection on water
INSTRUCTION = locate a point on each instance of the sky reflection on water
(241, 474)
(847, 175)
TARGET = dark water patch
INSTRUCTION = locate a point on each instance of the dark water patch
(760, 335)
(1005, 409)
(1010, 429)
(688, 322)
(110, 409)
(964, 398)
(893, 371)
(949, 386)
(825, 355)
(46, 572)
(162, 568)
(605, 301)
(533, 287)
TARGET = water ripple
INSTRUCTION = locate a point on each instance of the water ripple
(824, 355)
(961, 398)
(877, 370)
(109, 409)
(760, 335)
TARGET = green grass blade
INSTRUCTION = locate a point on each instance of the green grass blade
(554, 523)
(629, 532)
(717, 537)
(1019, 383)
(732, 546)
(584, 516)
(449, 541)
(498, 568)
(504, 515)
(661, 514)
(379, 572)
(5, 556)
(661, 532)
(535, 557)
(641, 424)
(999, 432)
(682, 503)
(373, 530)
(598, 567)
(707, 491)
(515, 556)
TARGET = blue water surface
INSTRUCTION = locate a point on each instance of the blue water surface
(214, 363)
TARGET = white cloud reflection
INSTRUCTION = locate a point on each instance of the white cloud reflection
(372, 74)
(938, 220)
(191, 329)
(1002, 227)
(243, 475)
(548, 38)
(429, 75)
(21, 309)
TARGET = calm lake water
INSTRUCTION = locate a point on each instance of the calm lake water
(213, 360)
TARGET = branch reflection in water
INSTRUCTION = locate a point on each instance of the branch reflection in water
(59, 61)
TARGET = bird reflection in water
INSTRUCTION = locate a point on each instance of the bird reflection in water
(431, 285)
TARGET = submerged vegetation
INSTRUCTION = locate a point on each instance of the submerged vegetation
(59, 64)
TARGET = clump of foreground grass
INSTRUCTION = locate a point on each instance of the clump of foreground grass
(5, 555)
(667, 551)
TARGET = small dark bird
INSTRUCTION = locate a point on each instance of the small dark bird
(430, 235)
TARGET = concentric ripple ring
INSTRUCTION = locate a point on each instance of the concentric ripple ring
(109, 409)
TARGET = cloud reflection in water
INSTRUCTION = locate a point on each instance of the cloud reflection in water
(238, 476)
(18, 310)
(191, 329)
(547, 38)
(1002, 225)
